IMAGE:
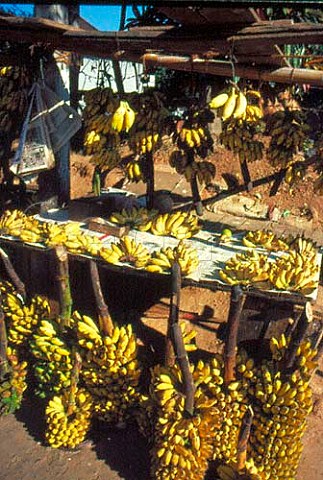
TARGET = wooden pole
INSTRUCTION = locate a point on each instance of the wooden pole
(62, 276)
(246, 175)
(106, 325)
(236, 306)
(178, 343)
(150, 179)
(16, 281)
(298, 335)
(196, 196)
(4, 365)
(243, 439)
(75, 375)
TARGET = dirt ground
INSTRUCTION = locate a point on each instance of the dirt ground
(114, 453)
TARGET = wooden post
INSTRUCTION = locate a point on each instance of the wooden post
(246, 175)
(150, 180)
(178, 343)
(197, 202)
(243, 439)
(297, 337)
(65, 298)
(106, 325)
(236, 306)
(4, 365)
(14, 278)
(173, 313)
(74, 382)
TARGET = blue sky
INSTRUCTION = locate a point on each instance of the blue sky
(101, 17)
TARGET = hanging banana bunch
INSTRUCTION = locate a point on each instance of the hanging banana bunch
(13, 384)
(238, 105)
(135, 170)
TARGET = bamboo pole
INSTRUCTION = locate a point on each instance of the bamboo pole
(230, 349)
(106, 325)
(178, 343)
(18, 284)
(243, 439)
(298, 335)
(150, 180)
(4, 365)
(62, 277)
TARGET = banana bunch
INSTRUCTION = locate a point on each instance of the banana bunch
(107, 158)
(238, 105)
(306, 247)
(110, 370)
(12, 222)
(14, 85)
(205, 172)
(162, 260)
(123, 117)
(143, 141)
(68, 422)
(178, 159)
(266, 239)
(99, 100)
(13, 385)
(294, 174)
(246, 269)
(22, 318)
(192, 137)
(295, 272)
(126, 251)
(5, 71)
(281, 406)
(288, 131)
(151, 112)
(53, 360)
(230, 472)
(238, 137)
(135, 217)
(180, 225)
(135, 172)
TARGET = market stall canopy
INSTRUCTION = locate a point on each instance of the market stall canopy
(201, 39)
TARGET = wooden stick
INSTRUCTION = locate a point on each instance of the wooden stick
(65, 298)
(178, 343)
(105, 321)
(236, 306)
(4, 365)
(297, 337)
(173, 314)
(243, 439)
(74, 382)
(197, 202)
(150, 180)
(246, 175)
(18, 284)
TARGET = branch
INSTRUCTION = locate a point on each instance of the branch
(65, 298)
(105, 321)
(18, 284)
(297, 337)
(236, 306)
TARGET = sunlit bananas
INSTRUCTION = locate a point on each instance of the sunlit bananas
(25, 227)
(123, 117)
(253, 113)
(68, 419)
(205, 172)
(134, 172)
(110, 369)
(53, 361)
(230, 472)
(13, 384)
(246, 269)
(142, 141)
(132, 252)
(180, 225)
(22, 318)
(306, 247)
(295, 272)
(161, 261)
(288, 131)
(134, 217)
(219, 100)
(238, 137)
(230, 105)
(192, 137)
(266, 239)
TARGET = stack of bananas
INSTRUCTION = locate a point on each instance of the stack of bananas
(134, 217)
(238, 105)
(13, 385)
(22, 318)
(288, 131)
(53, 360)
(238, 137)
(135, 171)
(180, 225)
(142, 142)
(281, 405)
(265, 239)
(246, 269)
(295, 272)
(127, 250)
(110, 369)
(193, 136)
(18, 224)
(162, 260)
(68, 422)
(231, 472)
(203, 170)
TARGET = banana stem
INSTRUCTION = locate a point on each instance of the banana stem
(105, 321)
(230, 349)
(4, 365)
(297, 337)
(18, 284)
(178, 342)
(243, 439)
(74, 382)
(150, 180)
(65, 298)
